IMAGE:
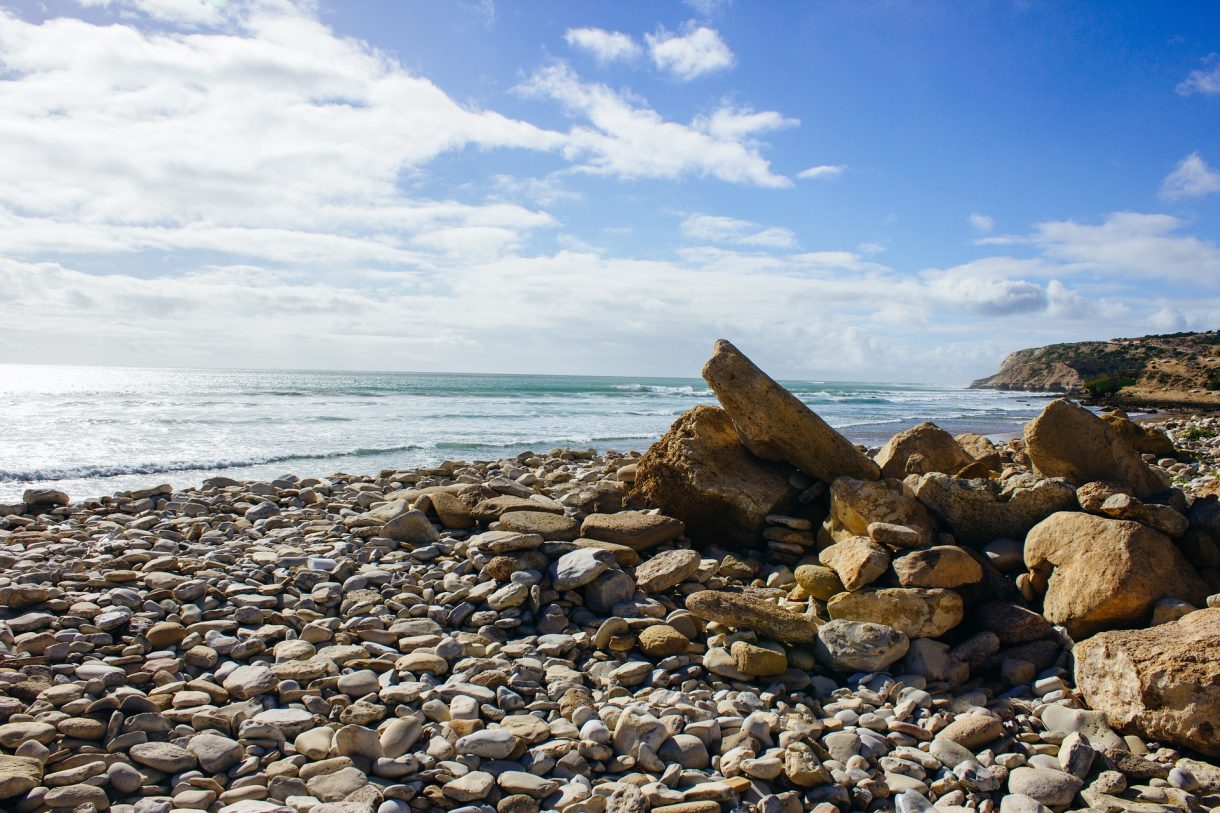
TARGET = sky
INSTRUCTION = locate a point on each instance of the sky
(870, 191)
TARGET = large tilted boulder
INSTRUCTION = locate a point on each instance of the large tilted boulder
(775, 425)
(1105, 574)
(979, 510)
(922, 449)
(1069, 441)
(1161, 683)
(700, 473)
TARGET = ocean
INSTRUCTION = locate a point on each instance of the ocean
(96, 430)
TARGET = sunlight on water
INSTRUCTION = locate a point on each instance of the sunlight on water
(96, 430)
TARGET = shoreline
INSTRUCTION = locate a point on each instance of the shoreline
(574, 631)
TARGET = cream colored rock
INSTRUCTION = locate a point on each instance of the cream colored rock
(857, 561)
(1161, 683)
(746, 612)
(916, 612)
(1069, 441)
(856, 504)
(1106, 573)
(775, 425)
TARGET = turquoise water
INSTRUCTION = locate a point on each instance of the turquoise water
(97, 430)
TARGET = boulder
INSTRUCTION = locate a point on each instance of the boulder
(746, 612)
(1161, 683)
(1106, 573)
(410, 526)
(917, 612)
(818, 581)
(1069, 441)
(856, 504)
(700, 473)
(858, 646)
(938, 566)
(40, 499)
(984, 455)
(18, 775)
(979, 510)
(636, 530)
(857, 561)
(775, 425)
(921, 449)
(1141, 437)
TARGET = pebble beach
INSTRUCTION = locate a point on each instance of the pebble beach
(753, 615)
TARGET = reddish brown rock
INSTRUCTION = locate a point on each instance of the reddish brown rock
(700, 473)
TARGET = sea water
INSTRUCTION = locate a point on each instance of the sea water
(97, 430)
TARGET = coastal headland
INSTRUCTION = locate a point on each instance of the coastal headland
(754, 615)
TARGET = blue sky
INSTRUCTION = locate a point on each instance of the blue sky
(901, 191)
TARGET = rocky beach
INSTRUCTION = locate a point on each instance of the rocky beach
(753, 616)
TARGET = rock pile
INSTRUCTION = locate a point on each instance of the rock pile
(754, 616)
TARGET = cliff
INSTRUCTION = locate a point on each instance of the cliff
(1177, 369)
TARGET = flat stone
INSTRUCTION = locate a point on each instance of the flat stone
(666, 570)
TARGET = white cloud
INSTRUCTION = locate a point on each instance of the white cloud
(981, 223)
(183, 12)
(1191, 178)
(1142, 247)
(822, 172)
(629, 140)
(1168, 320)
(605, 46)
(978, 288)
(687, 56)
(741, 232)
(1202, 81)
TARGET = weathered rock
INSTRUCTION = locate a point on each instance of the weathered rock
(1144, 439)
(759, 661)
(939, 566)
(972, 731)
(917, 612)
(775, 425)
(580, 567)
(18, 775)
(921, 449)
(493, 508)
(410, 526)
(978, 511)
(818, 581)
(746, 612)
(662, 640)
(1069, 441)
(1055, 789)
(1012, 624)
(41, 499)
(857, 561)
(850, 646)
(547, 525)
(1106, 573)
(856, 504)
(700, 473)
(1162, 683)
(666, 570)
(985, 458)
(636, 530)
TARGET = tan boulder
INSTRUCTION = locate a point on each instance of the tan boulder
(856, 504)
(775, 425)
(916, 612)
(1141, 437)
(857, 561)
(1161, 683)
(1106, 573)
(921, 449)
(700, 473)
(1069, 441)
(984, 455)
(634, 529)
(666, 570)
(18, 775)
(978, 511)
(818, 581)
(746, 612)
(938, 566)
(493, 508)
